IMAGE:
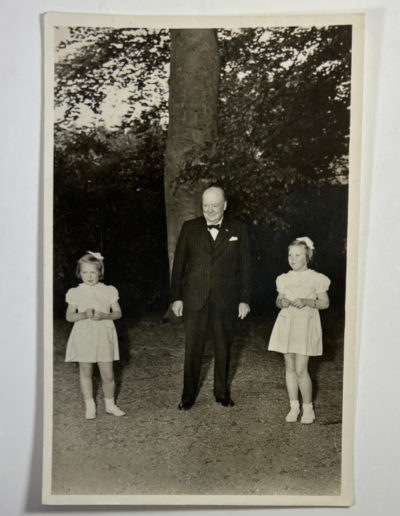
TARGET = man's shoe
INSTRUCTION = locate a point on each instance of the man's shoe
(185, 405)
(225, 402)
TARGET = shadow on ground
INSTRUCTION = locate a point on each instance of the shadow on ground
(156, 449)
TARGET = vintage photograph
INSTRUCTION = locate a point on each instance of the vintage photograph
(201, 227)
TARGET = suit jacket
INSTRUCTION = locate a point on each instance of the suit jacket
(203, 267)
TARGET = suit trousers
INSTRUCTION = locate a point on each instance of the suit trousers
(198, 324)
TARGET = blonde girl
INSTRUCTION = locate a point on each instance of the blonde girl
(297, 332)
(93, 307)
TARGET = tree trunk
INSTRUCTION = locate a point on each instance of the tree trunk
(192, 131)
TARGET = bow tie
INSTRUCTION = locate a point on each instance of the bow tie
(214, 226)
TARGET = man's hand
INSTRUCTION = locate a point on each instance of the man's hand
(244, 309)
(177, 308)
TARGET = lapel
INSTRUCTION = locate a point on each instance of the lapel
(223, 234)
(205, 237)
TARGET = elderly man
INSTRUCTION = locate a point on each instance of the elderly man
(210, 288)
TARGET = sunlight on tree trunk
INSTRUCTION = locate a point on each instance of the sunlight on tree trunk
(192, 130)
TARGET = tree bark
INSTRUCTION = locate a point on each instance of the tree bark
(192, 131)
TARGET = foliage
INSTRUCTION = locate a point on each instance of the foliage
(93, 61)
(283, 116)
(284, 112)
(109, 197)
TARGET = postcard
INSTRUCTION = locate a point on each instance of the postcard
(201, 219)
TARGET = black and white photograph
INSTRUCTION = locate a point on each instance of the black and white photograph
(201, 218)
(168, 169)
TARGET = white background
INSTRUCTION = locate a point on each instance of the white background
(377, 450)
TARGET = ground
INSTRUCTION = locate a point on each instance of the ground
(157, 449)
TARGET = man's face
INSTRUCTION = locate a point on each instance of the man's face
(214, 205)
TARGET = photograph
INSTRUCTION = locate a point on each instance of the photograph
(201, 202)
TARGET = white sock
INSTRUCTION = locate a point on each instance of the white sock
(90, 412)
(109, 402)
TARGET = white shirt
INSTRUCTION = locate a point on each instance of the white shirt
(214, 232)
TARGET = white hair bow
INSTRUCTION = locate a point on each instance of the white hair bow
(96, 255)
(309, 243)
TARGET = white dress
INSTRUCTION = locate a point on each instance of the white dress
(92, 341)
(298, 330)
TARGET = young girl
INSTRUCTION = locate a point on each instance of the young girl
(92, 307)
(297, 332)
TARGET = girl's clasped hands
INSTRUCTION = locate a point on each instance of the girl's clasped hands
(96, 315)
(297, 303)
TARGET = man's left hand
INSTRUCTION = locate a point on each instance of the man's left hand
(244, 309)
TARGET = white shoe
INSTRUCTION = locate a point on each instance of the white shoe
(308, 416)
(293, 415)
(115, 411)
(294, 411)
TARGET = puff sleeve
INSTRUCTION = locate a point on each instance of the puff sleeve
(281, 283)
(321, 283)
(71, 296)
(113, 294)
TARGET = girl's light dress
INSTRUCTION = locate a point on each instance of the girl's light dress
(298, 330)
(92, 341)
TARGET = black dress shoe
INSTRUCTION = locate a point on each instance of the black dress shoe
(225, 402)
(185, 405)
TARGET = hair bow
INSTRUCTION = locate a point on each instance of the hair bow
(96, 255)
(309, 243)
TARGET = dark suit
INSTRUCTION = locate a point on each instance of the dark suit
(211, 278)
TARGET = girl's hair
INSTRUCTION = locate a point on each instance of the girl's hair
(88, 258)
(309, 252)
